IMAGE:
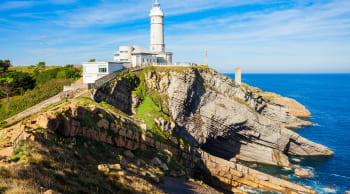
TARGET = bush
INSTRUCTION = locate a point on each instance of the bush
(58, 73)
(22, 81)
(31, 98)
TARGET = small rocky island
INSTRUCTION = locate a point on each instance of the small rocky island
(165, 121)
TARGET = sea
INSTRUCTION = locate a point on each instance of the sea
(327, 97)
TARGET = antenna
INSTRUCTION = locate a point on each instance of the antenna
(206, 57)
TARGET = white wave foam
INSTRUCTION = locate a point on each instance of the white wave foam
(341, 176)
(287, 168)
(296, 160)
(329, 190)
(309, 170)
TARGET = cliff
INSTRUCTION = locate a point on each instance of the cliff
(227, 120)
(82, 146)
(164, 121)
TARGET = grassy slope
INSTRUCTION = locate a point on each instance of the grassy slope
(148, 111)
(32, 97)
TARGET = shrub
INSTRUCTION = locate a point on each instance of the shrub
(31, 98)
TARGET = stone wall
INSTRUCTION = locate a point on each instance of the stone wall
(75, 87)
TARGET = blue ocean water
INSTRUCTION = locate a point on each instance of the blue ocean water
(327, 97)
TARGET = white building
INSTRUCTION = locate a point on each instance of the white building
(137, 56)
(95, 70)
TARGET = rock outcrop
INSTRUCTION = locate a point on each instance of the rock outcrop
(302, 173)
(231, 121)
(79, 118)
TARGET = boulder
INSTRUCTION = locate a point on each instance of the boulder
(103, 168)
(129, 154)
(115, 166)
(154, 177)
(156, 162)
(50, 192)
(302, 173)
(140, 162)
(103, 123)
(124, 162)
(143, 127)
(164, 167)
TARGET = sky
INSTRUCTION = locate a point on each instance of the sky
(260, 36)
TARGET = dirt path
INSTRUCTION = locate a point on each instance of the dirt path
(178, 185)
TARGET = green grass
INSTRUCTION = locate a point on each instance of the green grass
(148, 111)
(29, 69)
(53, 105)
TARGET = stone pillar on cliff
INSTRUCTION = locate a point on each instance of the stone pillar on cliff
(238, 75)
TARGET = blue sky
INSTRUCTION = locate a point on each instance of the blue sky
(261, 36)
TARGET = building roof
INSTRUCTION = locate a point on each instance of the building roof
(140, 50)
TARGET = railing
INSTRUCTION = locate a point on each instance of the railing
(98, 83)
(17, 140)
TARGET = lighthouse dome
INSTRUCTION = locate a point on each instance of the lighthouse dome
(156, 10)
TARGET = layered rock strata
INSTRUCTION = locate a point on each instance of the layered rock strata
(228, 120)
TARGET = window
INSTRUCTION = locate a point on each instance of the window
(102, 69)
(123, 60)
(123, 51)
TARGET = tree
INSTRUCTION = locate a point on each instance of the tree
(5, 86)
(5, 64)
(92, 60)
(39, 67)
(41, 64)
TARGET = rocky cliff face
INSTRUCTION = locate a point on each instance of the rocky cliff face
(73, 132)
(231, 121)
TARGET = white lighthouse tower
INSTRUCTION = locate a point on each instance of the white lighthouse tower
(157, 29)
(133, 56)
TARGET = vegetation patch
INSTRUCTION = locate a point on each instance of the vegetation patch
(148, 111)
(24, 87)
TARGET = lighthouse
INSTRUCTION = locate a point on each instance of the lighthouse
(133, 56)
(157, 28)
